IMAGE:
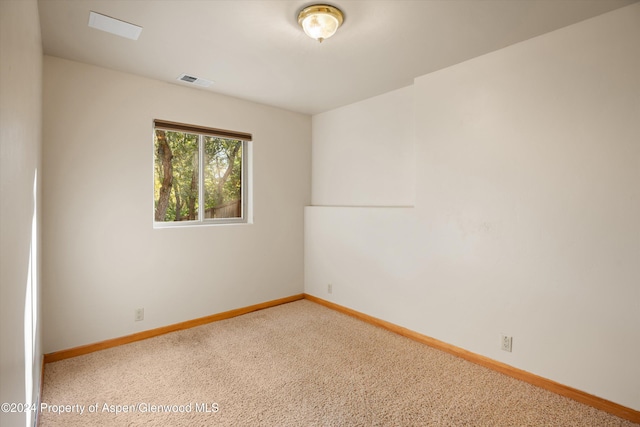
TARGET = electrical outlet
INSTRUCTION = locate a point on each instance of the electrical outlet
(506, 342)
(139, 314)
(330, 288)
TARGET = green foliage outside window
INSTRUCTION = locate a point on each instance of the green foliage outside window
(178, 177)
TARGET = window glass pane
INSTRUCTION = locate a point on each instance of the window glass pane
(222, 177)
(176, 176)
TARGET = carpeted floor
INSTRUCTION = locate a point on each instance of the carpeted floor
(298, 364)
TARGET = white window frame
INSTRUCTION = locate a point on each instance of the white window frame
(246, 188)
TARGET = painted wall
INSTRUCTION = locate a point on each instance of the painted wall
(20, 142)
(526, 211)
(363, 154)
(102, 258)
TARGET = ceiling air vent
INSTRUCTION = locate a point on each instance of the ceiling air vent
(195, 80)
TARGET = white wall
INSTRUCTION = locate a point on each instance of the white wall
(526, 211)
(363, 154)
(101, 256)
(20, 141)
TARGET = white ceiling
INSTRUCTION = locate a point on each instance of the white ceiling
(256, 51)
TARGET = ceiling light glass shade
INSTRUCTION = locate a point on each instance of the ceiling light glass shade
(320, 21)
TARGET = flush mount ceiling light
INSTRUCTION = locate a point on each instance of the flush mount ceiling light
(320, 21)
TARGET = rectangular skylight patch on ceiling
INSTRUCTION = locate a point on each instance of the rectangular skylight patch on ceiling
(114, 26)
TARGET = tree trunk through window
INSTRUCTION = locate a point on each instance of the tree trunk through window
(231, 156)
(165, 155)
(193, 190)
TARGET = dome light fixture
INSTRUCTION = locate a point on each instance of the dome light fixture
(320, 21)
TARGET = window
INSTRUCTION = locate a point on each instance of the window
(199, 175)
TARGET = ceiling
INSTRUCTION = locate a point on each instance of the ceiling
(255, 50)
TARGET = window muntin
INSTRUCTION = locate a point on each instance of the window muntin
(199, 177)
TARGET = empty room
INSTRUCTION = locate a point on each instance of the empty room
(290, 213)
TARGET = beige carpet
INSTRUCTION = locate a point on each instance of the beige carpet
(298, 364)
